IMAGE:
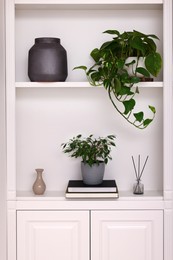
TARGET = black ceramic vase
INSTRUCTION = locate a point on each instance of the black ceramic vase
(47, 60)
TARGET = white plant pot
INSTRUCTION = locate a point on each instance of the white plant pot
(93, 175)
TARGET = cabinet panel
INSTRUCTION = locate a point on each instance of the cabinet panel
(52, 235)
(129, 235)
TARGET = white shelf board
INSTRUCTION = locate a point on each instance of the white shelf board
(90, 4)
(52, 84)
(60, 195)
(126, 2)
(154, 84)
(55, 200)
(48, 195)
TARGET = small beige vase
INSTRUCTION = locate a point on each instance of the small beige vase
(39, 185)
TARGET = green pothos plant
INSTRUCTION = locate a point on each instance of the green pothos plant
(110, 69)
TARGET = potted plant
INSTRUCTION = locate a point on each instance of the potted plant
(110, 69)
(95, 153)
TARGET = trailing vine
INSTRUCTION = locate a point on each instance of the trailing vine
(110, 69)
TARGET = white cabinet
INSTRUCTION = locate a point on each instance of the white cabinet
(125, 234)
(41, 116)
(44, 235)
(65, 235)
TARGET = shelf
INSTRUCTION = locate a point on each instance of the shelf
(155, 84)
(52, 84)
(60, 195)
(86, 2)
(55, 200)
(53, 19)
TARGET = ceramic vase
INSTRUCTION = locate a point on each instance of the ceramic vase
(39, 185)
(47, 60)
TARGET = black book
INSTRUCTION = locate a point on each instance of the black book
(78, 186)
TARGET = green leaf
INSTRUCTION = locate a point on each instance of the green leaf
(151, 44)
(139, 116)
(112, 32)
(134, 80)
(152, 109)
(90, 71)
(80, 67)
(95, 54)
(124, 77)
(143, 71)
(137, 43)
(153, 36)
(95, 76)
(129, 105)
(137, 33)
(120, 64)
(125, 91)
(116, 85)
(106, 161)
(109, 45)
(153, 63)
(107, 83)
(106, 44)
(112, 137)
(147, 122)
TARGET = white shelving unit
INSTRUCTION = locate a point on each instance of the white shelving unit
(41, 116)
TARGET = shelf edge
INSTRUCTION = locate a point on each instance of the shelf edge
(155, 84)
(88, 2)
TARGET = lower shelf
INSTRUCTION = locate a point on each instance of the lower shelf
(60, 195)
(55, 200)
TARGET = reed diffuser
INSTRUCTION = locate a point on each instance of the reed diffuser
(138, 187)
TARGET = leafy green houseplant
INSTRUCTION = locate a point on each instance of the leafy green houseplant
(110, 69)
(94, 152)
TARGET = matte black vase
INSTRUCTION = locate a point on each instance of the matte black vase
(47, 60)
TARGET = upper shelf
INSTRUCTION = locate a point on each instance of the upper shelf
(79, 25)
(88, 1)
(108, 4)
(154, 84)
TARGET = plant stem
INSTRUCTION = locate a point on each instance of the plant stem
(132, 123)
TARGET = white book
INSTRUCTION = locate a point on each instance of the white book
(92, 195)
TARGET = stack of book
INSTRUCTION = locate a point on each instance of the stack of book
(77, 189)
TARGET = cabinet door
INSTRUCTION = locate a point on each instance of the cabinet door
(123, 235)
(44, 235)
